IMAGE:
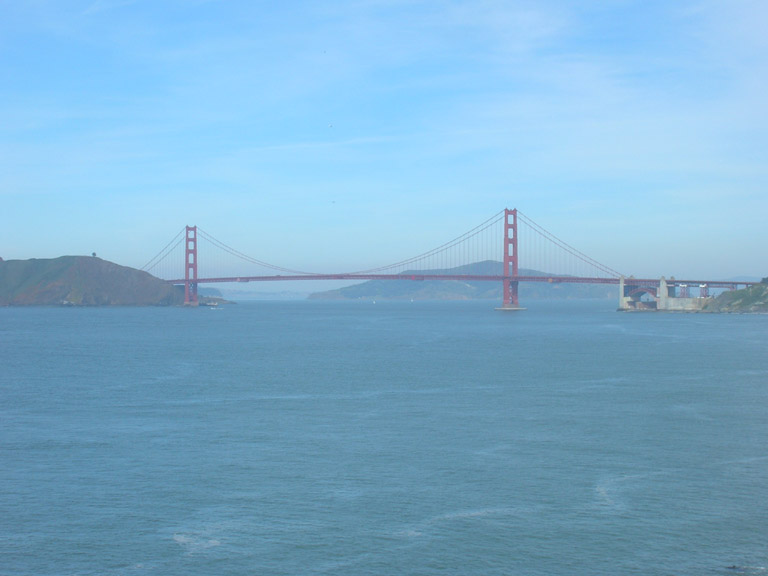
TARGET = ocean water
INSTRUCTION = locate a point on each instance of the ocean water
(303, 438)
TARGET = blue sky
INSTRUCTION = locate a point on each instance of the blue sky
(342, 135)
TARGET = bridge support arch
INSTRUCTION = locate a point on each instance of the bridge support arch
(631, 294)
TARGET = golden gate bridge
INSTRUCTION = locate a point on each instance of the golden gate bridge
(509, 248)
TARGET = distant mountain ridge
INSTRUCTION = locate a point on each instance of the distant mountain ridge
(81, 281)
(464, 290)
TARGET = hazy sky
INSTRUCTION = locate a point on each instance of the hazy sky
(347, 134)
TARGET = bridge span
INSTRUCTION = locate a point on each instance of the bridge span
(634, 293)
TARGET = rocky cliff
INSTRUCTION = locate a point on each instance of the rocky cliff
(751, 300)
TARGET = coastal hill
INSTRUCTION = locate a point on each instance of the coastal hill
(81, 281)
(461, 290)
(749, 300)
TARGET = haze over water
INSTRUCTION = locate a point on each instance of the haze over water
(391, 438)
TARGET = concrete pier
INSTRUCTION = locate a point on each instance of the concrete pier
(661, 297)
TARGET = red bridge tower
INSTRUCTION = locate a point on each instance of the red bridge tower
(510, 300)
(190, 267)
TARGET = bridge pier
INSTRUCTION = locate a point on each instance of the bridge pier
(510, 302)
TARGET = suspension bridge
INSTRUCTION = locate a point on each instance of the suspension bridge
(508, 248)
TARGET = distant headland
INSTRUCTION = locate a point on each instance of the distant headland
(81, 281)
(434, 289)
(749, 300)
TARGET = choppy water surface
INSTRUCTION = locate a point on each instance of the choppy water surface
(395, 438)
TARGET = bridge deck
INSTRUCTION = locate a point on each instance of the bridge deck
(468, 278)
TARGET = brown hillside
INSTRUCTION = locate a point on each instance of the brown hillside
(81, 281)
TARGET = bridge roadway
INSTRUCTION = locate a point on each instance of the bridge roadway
(469, 277)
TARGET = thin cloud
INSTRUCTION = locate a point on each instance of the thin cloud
(107, 5)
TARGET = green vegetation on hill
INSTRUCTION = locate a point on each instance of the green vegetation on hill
(464, 290)
(751, 299)
(81, 281)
